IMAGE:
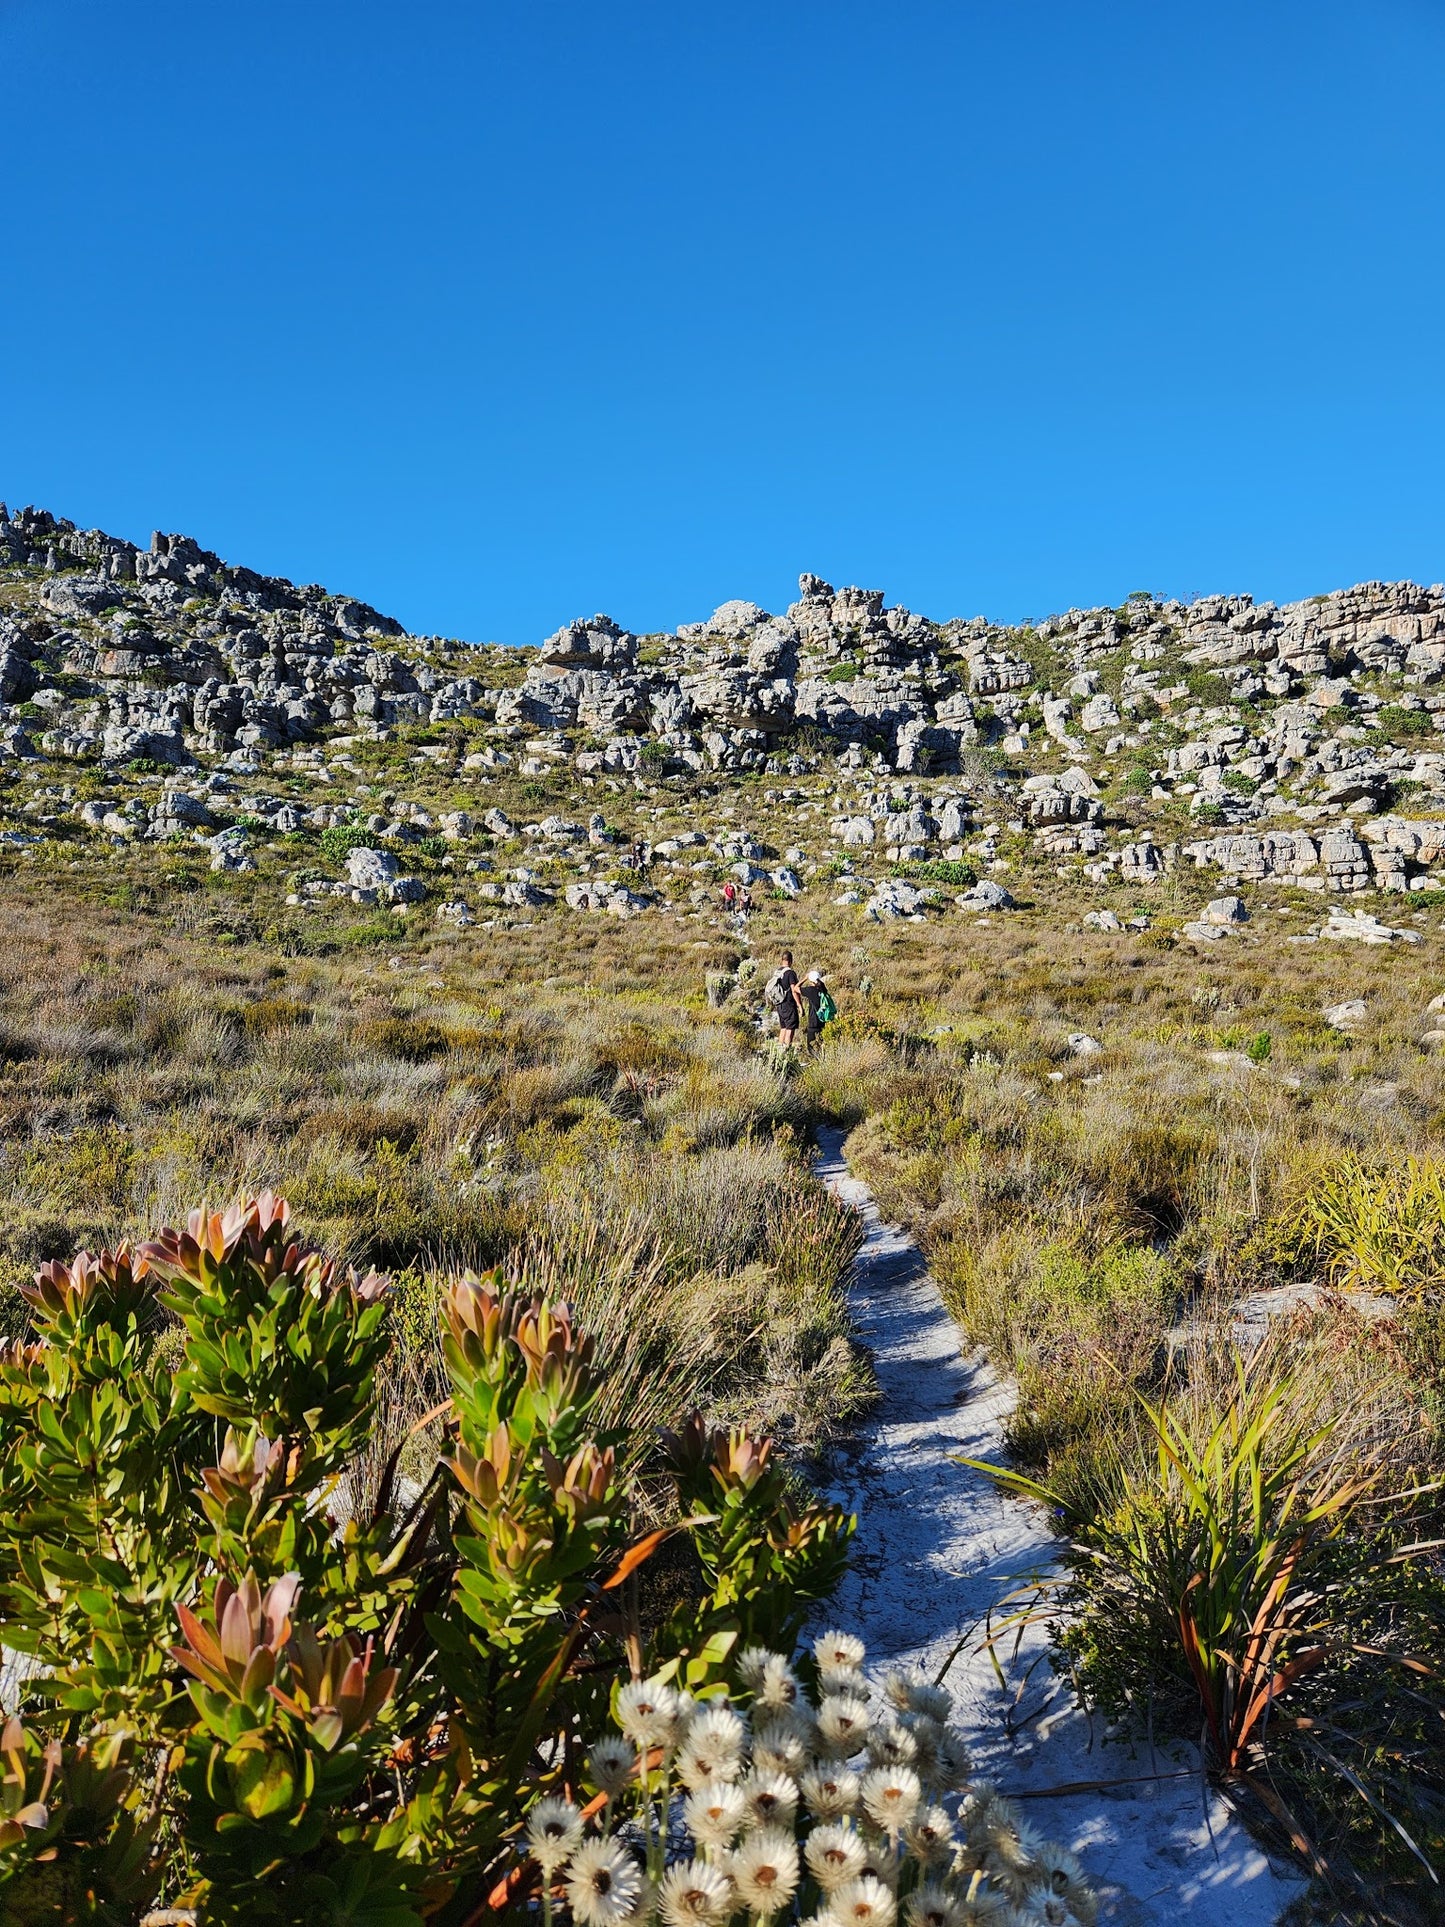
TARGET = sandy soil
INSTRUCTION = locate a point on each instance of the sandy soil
(936, 1545)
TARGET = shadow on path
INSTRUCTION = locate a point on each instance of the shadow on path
(936, 1545)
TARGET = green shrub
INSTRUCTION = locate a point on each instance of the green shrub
(338, 839)
(411, 1039)
(1399, 721)
(1207, 686)
(271, 1014)
(957, 875)
(277, 1708)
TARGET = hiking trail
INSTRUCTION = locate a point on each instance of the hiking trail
(937, 1543)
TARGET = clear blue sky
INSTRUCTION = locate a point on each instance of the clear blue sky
(500, 314)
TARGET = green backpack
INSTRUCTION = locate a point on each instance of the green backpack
(827, 1009)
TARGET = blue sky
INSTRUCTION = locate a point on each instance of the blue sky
(497, 315)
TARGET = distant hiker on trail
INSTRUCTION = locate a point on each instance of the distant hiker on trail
(641, 856)
(730, 897)
(781, 997)
(816, 1005)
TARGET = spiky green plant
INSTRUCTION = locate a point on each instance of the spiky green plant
(1375, 1227)
(1211, 1558)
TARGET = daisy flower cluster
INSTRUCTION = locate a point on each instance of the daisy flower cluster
(853, 1808)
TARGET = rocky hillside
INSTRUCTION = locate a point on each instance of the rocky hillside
(161, 694)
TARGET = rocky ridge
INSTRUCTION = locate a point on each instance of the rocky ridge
(151, 694)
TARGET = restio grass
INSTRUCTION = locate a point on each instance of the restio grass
(559, 1098)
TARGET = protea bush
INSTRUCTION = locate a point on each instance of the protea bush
(236, 1692)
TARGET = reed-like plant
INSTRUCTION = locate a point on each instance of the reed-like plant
(1372, 1226)
(1210, 1559)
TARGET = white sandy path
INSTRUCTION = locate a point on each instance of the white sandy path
(935, 1545)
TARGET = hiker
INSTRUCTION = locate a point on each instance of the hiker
(781, 997)
(816, 1006)
(730, 897)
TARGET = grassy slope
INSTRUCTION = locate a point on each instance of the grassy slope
(558, 1096)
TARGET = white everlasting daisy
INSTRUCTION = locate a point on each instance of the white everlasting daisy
(835, 1651)
(604, 1884)
(647, 1712)
(610, 1764)
(835, 1855)
(705, 1757)
(899, 1685)
(927, 1735)
(842, 1725)
(864, 1902)
(719, 1726)
(830, 1792)
(1008, 1838)
(778, 1685)
(990, 1906)
(843, 1679)
(779, 1746)
(882, 1860)
(713, 1814)
(554, 1832)
(694, 1894)
(929, 1835)
(1058, 1869)
(1043, 1909)
(977, 1812)
(765, 1870)
(753, 1663)
(931, 1906)
(771, 1799)
(931, 1701)
(912, 1691)
(891, 1743)
(891, 1796)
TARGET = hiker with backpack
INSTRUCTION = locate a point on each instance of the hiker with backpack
(781, 997)
(816, 1005)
